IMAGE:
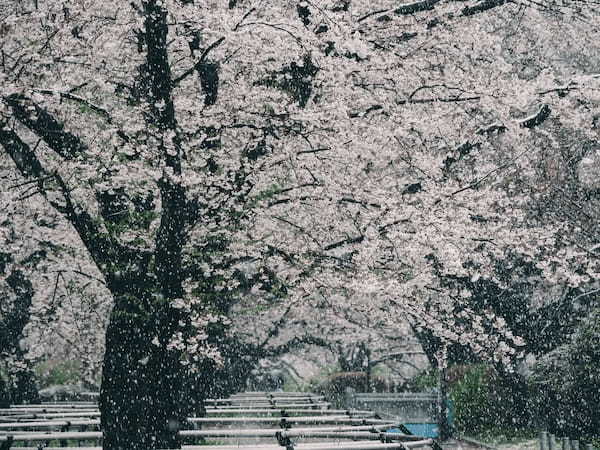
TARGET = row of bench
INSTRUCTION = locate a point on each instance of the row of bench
(237, 421)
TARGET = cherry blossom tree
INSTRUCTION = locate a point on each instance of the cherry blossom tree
(206, 155)
(54, 303)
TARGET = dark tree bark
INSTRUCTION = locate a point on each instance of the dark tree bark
(21, 387)
(144, 381)
(25, 390)
(482, 7)
(143, 386)
(140, 399)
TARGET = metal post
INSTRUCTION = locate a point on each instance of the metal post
(543, 440)
(65, 428)
(551, 442)
(350, 398)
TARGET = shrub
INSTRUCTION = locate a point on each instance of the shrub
(52, 373)
(334, 387)
(425, 381)
(482, 399)
(485, 400)
(566, 383)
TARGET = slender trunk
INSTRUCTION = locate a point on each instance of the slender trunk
(443, 424)
(369, 369)
(25, 389)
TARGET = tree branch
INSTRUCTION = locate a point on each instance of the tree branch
(299, 228)
(197, 66)
(341, 243)
(482, 6)
(82, 101)
(537, 119)
(411, 8)
(46, 126)
(102, 249)
(456, 99)
(22, 155)
(397, 355)
(295, 343)
(171, 234)
(69, 96)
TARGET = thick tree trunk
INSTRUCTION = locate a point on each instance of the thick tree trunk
(141, 398)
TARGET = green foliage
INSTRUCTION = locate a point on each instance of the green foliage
(496, 436)
(562, 395)
(334, 387)
(321, 377)
(51, 373)
(486, 403)
(269, 192)
(291, 385)
(472, 401)
(85, 109)
(485, 400)
(566, 383)
(422, 382)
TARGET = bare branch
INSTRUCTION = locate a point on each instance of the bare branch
(477, 182)
(295, 343)
(237, 25)
(371, 14)
(314, 150)
(560, 90)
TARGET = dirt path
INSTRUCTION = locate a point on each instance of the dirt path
(527, 445)
(460, 444)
